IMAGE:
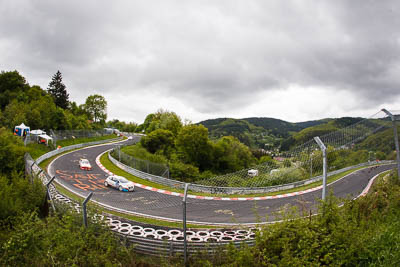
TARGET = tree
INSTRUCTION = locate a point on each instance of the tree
(12, 85)
(57, 90)
(231, 155)
(163, 119)
(159, 140)
(194, 146)
(96, 107)
(12, 152)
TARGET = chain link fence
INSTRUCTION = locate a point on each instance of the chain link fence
(74, 134)
(304, 161)
(61, 135)
(142, 165)
(148, 239)
(296, 167)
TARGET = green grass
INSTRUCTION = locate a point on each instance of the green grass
(144, 220)
(111, 167)
(37, 150)
(70, 142)
(134, 218)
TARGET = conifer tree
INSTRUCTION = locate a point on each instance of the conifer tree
(57, 90)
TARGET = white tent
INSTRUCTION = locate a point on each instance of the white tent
(37, 132)
(21, 130)
(44, 138)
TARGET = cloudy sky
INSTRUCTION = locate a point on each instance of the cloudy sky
(293, 60)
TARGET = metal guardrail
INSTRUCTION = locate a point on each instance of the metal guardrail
(231, 190)
(72, 147)
(147, 176)
(161, 242)
(156, 247)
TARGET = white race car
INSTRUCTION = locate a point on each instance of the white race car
(119, 182)
(84, 164)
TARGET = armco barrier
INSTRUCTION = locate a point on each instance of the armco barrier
(67, 148)
(162, 242)
(146, 176)
(231, 190)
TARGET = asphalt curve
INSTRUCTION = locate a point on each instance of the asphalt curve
(142, 201)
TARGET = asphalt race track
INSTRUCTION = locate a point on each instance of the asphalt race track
(142, 201)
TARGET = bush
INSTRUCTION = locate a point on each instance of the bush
(139, 152)
(183, 172)
(63, 241)
(12, 152)
(364, 232)
(19, 197)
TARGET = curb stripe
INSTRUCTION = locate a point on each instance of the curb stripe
(162, 191)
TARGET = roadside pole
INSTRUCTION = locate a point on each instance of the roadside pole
(48, 193)
(396, 139)
(84, 208)
(184, 225)
(325, 165)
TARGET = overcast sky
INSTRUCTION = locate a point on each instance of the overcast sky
(292, 60)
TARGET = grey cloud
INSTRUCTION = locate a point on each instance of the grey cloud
(212, 55)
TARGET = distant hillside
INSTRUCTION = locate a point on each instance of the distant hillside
(269, 133)
(382, 141)
(329, 126)
(278, 128)
(256, 132)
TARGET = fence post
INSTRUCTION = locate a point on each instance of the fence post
(119, 153)
(396, 139)
(84, 208)
(184, 225)
(48, 195)
(34, 162)
(26, 139)
(54, 138)
(325, 165)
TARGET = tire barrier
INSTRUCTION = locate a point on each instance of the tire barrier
(159, 241)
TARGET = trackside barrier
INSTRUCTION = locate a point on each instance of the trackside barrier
(233, 190)
(157, 247)
(68, 148)
(161, 242)
(147, 176)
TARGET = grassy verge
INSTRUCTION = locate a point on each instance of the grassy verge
(46, 162)
(144, 220)
(37, 150)
(70, 142)
(111, 167)
(134, 218)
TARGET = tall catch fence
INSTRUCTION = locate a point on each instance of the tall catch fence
(299, 166)
(73, 134)
(142, 165)
(59, 135)
(305, 161)
(148, 239)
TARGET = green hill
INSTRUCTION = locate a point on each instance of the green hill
(270, 133)
(256, 132)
